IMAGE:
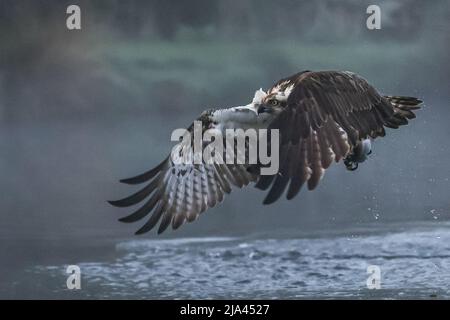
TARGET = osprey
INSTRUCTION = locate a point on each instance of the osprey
(321, 116)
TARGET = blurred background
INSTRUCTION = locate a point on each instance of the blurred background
(81, 109)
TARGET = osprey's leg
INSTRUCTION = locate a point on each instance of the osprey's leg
(359, 154)
(350, 165)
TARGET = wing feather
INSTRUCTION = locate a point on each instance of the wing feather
(327, 113)
(300, 172)
(138, 196)
(180, 193)
(315, 162)
(146, 175)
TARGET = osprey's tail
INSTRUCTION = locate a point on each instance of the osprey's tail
(403, 110)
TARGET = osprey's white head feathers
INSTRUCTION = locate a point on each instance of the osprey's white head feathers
(252, 107)
(259, 97)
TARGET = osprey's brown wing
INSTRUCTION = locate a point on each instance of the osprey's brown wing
(327, 113)
(176, 193)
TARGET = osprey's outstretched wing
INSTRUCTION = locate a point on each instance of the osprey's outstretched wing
(176, 193)
(326, 115)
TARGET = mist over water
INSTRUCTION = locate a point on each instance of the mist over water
(80, 110)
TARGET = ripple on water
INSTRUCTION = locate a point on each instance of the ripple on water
(413, 264)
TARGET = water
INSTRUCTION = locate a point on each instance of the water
(415, 263)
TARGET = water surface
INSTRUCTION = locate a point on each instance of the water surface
(414, 263)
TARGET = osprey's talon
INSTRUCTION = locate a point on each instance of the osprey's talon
(351, 165)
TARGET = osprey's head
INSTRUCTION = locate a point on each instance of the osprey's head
(268, 104)
(274, 101)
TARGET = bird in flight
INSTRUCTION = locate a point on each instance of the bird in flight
(322, 117)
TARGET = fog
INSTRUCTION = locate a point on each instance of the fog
(81, 109)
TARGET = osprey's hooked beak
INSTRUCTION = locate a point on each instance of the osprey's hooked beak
(262, 108)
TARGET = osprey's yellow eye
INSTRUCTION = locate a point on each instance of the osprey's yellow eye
(274, 102)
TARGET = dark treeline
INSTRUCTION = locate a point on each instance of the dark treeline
(228, 19)
(119, 39)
